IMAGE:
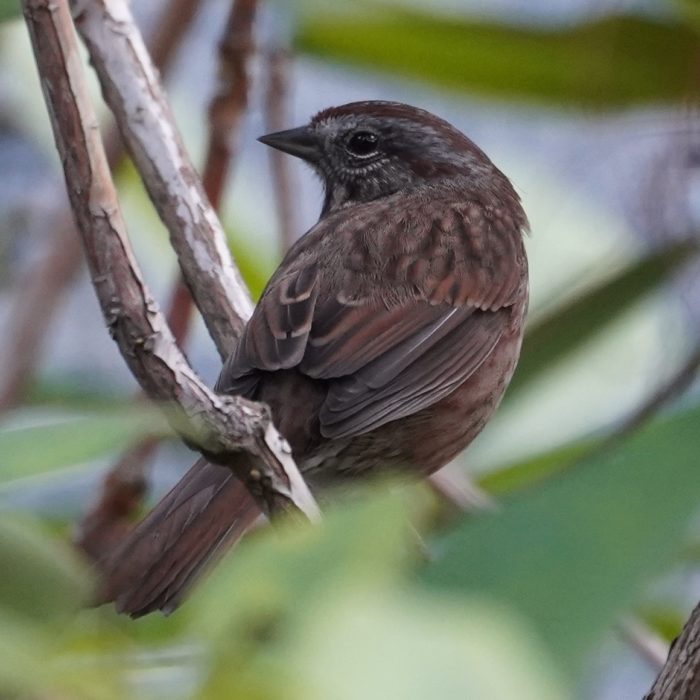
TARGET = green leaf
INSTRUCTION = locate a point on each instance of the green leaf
(566, 329)
(255, 263)
(577, 552)
(369, 646)
(666, 620)
(9, 9)
(610, 63)
(318, 612)
(286, 570)
(251, 609)
(30, 451)
(41, 578)
(535, 469)
(21, 644)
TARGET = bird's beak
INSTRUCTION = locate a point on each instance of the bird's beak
(300, 142)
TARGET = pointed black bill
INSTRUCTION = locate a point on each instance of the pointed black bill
(300, 142)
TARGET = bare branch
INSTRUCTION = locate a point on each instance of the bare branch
(41, 290)
(220, 426)
(125, 484)
(650, 646)
(39, 293)
(277, 62)
(681, 379)
(131, 88)
(169, 29)
(458, 490)
(227, 108)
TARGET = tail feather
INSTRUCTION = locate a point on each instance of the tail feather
(205, 514)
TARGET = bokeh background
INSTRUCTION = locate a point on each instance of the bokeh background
(575, 586)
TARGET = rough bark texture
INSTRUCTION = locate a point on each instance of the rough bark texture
(131, 88)
(680, 677)
(41, 290)
(217, 425)
(111, 517)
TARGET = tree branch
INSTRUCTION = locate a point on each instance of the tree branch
(41, 288)
(227, 108)
(219, 425)
(277, 65)
(131, 88)
(109, 519)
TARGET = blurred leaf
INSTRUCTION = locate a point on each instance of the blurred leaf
(21, 645)
(610, 63)
(690, 9)
(292, 566)
(41, 578)
(575, 553)
(365, 646)
(255, 263)
(70, 395)
(251, 608)
(29, 451)
(532, 470)
(568, 327)
(667, 621)
(9, 9)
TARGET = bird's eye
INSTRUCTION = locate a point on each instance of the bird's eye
(362, 143)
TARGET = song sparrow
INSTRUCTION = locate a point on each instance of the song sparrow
(384, 340)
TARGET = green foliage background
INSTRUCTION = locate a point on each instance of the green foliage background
(500, 605)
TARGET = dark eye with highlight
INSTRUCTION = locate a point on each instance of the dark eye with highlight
(362, 143)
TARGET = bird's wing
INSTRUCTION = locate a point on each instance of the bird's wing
(400, 342)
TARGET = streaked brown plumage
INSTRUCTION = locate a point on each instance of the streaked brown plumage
(384, 341)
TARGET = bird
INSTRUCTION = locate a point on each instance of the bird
(383, 342)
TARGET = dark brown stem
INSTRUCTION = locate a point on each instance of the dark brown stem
(38, 295)
(125, 484)
(228, 107)
(277, 61)
(42, 288)
(133, 92)
(220, 426)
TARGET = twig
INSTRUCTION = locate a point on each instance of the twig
(169, 29)
(651, 647)
(277, 62)
(680, 677)
(131, 88)
(227, 108)
(41, 290)
(671, 389)
(125, 484)
(220, 426)
(457, 489)
(38, 295)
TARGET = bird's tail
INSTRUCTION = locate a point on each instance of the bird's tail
(206, 512)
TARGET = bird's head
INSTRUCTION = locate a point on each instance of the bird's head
(367, 150)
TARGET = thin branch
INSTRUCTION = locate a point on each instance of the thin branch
(131, 88)
(650, 646)
(125, 484)
(277, 63)
(220, 426)
(169, 30)
(681, 380)
(42, 288)
(37, 297)
(452, 485)
(227, 108)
